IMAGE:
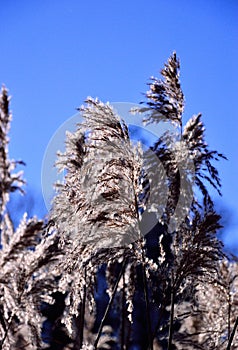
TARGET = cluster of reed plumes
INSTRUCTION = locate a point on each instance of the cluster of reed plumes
(121, 286)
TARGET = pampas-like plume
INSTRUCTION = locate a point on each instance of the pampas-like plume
(193, 134)
(25, 256)
(165, 97)
(9, 182)
(96, 208)
(99, 217)
(96, 204)
(192, 248)
(108, 186)
(210, 324)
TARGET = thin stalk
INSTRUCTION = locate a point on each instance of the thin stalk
(159, 319)
(79, 339)
(229, 314)
(109, 305)
(145, 285)
(123, 315)
(232, 335)
(128, 336)
(171, 321)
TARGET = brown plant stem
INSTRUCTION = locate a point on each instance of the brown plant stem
(79, 339)
(145, 285)
(123, 316)
(229, 313)
(159, 320)
(128, 336)
(109, 304)
(171, 321)
(232, 335)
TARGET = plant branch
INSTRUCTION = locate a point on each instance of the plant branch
(232, 335)
(171, 321)
(109, 304)
(145, 284)
(79, 338)
(123, 315)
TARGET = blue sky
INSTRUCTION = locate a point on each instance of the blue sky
(56, 53)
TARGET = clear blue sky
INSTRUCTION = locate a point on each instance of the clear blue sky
(54, 53)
